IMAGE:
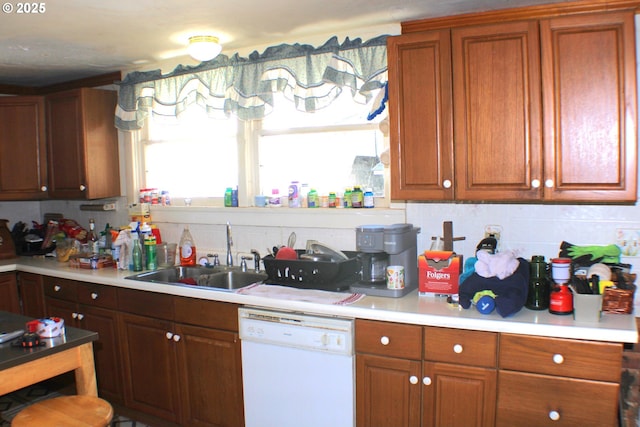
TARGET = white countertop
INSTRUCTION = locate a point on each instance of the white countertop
(412, 308)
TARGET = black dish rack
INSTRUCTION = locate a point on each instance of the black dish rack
(307, 274)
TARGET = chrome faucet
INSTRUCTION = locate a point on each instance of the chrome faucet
(229, 244)
(256, 260)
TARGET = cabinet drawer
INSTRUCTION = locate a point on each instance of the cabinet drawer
(145, 303)
(211, 314)
(65, 289)
(389, 339)
(462, 347)
(97, 295)
(540, 400)
(555, 356)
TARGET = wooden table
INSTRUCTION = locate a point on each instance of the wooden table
(21, 367)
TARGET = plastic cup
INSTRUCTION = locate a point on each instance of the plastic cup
(167, 254)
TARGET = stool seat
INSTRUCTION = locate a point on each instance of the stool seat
(66, 411)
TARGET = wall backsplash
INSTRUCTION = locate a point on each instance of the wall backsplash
(528, 229)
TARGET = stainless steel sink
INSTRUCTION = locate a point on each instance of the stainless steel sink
(218, 277)
(231, 279)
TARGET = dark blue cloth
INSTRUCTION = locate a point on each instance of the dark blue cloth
(511, 292)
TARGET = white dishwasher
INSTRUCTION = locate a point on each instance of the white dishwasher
(297, 370)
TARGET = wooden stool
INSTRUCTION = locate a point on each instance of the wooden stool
(67, 411)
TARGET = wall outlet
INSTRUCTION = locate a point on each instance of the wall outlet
(494, 231)
(628, 240)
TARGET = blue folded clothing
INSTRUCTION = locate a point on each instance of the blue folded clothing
(511, 292)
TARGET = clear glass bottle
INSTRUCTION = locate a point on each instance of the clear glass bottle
(187, 248)
(92, 237)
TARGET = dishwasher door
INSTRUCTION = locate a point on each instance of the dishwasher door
(298, 371)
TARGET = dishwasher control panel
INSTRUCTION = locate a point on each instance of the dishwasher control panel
(297, 330)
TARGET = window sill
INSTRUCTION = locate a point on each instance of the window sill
(274, 217)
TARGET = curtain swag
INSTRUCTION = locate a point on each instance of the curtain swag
(310, 77)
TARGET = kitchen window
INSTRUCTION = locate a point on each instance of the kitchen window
(198, 157)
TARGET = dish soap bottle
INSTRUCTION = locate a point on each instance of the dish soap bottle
(187, 248)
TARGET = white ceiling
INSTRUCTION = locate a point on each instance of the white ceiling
(74, 39)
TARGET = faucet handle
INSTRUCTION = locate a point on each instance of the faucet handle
(243, 262)
(256, 258)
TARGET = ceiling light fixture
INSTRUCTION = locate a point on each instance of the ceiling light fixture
(204, 48)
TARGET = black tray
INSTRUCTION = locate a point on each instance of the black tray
(305, 274)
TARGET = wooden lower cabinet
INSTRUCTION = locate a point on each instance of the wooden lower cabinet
(542, 400)
(557, 382)
(90, 306)
(456, 395)
(429, 381)
(9, 300)
(150, 366)
(209, 368)
(30, 288)
(187, 374)
(387, 391)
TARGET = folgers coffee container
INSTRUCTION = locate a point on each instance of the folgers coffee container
(561, 299)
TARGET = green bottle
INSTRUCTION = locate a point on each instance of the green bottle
(137, 255)
(228, 197)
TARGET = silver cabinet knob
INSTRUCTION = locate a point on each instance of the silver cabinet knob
(384, 340)
(176, 337)
(548, 183)
(446, 183)
(57, 288)
(44, 188)
(535, 183)
(457, 348)
(94, 295)
(169, 335)
(554, 415)
(426, 381)
(558, 359)
(413, 379)
(82, 187)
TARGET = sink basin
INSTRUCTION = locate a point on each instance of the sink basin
(218, 277)
(230, 279)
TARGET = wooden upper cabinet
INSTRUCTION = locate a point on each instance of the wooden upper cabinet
(543, 106)
(23, 161)
(589, 99)
(82, 144)
(497, 140)
(420, 116)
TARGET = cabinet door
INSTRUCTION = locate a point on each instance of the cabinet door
(387, 392)
(420, 116)
(82, 144)
(458, 396)
(105, 350)
(151, 380)
(23, 160)
(496, 110)
(211, 377)
(65, 146)
(31, 294)
(589, 95)
(9, 300)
